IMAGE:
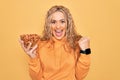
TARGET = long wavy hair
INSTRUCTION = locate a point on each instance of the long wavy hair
(71, 34)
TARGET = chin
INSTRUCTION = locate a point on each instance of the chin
(59, 38)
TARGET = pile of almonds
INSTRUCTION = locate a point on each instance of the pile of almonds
(30, 38)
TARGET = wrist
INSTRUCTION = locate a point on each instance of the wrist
(32, 55)
(86, 51)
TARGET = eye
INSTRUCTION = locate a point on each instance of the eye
(53, 21)
(62, 21)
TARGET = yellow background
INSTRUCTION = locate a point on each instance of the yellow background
(97, 19)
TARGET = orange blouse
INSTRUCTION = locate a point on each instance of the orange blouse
(55, 61)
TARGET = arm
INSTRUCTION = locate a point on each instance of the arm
(82, 66)
(35, 68)
(83, 60)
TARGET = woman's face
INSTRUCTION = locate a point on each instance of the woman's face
(58, 25)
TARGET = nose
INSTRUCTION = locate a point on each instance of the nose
(58, 25)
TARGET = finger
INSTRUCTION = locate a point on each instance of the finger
(22, 44)
(84, 39)
(28, 48)
(33, 49)
(21, 41)
(34, 52)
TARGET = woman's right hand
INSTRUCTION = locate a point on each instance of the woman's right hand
(28, 50)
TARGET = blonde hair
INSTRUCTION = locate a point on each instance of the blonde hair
(71, 34)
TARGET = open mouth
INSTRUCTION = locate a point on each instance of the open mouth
(58, 33)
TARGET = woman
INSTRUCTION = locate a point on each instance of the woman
(60, 54)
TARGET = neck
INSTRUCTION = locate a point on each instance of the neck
(59, 41)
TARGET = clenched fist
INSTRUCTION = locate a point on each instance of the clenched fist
(84, 43)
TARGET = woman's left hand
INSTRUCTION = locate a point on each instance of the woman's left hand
(84, 43)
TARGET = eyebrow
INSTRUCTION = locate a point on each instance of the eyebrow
(59, 20)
